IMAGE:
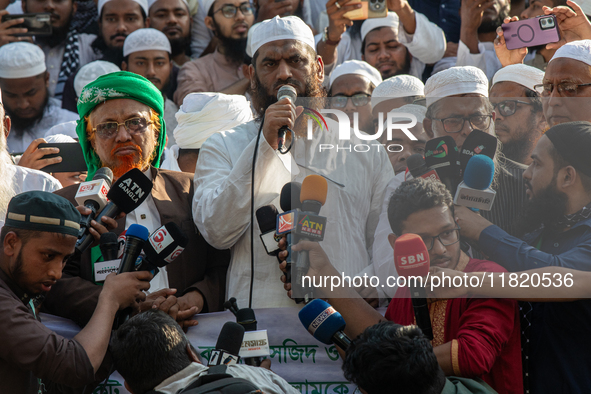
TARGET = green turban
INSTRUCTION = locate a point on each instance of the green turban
(118, 85)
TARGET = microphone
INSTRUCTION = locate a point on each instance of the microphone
(93, 195)
(324, 323)
(228, 345)
(128, 193)
(267, 217)
(135, 237)
(291, 94)
(285, 221)
(477, 143)
(109, 246)
(163, 247)
(474, 192)
(418, 167)
(246, 318)
(412, 260)
(441, 155)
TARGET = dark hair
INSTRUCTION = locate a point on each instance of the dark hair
(416, 195)
(390, 358)
(535, 98)
(24, 235)
(561, 162)
(149, 348)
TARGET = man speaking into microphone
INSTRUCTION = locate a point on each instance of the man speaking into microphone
(121, 127)
(283, 53)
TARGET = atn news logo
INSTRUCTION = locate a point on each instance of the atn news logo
(394, 121)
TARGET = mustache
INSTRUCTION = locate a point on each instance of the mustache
(288, 81)
(118, 35)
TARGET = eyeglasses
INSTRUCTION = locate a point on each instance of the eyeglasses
(446, 238)
(568, 89)
(358, 100)
(508, 107)
(133, 126)
(230, 10)
(456, 124)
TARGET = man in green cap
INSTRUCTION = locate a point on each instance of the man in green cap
(38, 237)
(121, 127)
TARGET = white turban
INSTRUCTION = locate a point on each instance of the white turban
(68, 129)
(456, 80)
(21, 60)
(203, 114)
(356, 67)
(91, 71)
(147, 39)
(286, 28)
(142, 3)
(576, 50)
(417, 110)
(397, 87)
(373, 23)
(521, 74)
(151, 3)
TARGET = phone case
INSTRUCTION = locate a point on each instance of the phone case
(530, 32)
(366, 12)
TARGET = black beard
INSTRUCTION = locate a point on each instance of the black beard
(180, 45)
(489, 26)
(234, 49)
(56, 38)
(406, 68)
(18, 274)
(547, 208)
(21, 125)
(113, 55)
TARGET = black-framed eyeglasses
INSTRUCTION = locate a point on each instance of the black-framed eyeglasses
(230, 10)
(447, 238)
(134, 126)
(568, 89)
(455, 124)
(508, 107)
(358, 100)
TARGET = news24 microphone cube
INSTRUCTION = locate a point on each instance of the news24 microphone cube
(321, 320)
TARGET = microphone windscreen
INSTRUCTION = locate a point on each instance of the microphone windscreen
(290, 196)
(267, 218)
(441, 155)
(230, 338)
(137, 230)
(321, 320)
(130, 190)
(415, 164)
(246, 318)
(479, 172)
(314, 188)
(477, 143)
(109, 237)
(104, 173)
(289, 91)
(411, 256)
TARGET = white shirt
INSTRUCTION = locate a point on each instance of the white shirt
(170, 110)
(221, 204)
(267, 381)
(171, 157)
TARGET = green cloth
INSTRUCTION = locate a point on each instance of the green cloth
(43, 211)
(457, 385)
(118, 85)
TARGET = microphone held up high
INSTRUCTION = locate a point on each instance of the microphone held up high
(283, 92)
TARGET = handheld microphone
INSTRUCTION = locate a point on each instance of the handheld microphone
(266, 217)
(163, 247)
(441, 155)
(228, 345)
(135, 237)
(246, 318)
(325, 323)
(418, 167)
(477, 143)
(290, 204)
(128, 193)
(412, 261)
(93, 195)
(474, 192)
(291, 94)
(109, 246)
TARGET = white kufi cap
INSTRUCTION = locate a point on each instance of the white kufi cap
(390, 21)
(286, 28)
(526, 76)
(576, 50)
(21, 60)
(417, 110)
(397, 87)
(151, 3)
(454, 81)
(91, 71)
(147, 39)
(142, 3)
(356, 67)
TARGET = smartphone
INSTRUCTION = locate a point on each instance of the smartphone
(369, 9)
(72, 157)
(532, 32)
(36, 24)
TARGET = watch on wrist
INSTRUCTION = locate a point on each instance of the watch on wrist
(326, 40)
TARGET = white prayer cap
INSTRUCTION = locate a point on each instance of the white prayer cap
(249, 50)
(68, 128)
(524, 75)
(59, 138)
(286, 28)
(397, 87)
(21, 60)
(91, 71)
(373, 23)
(456, 80)
(151, 3)
(417, 110)
(147, 39)
(142, 3)
(199, 117)
(576, 50)
(356, 67)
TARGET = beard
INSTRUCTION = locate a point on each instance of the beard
(179, 45)
(234, 48)
(57, 37)
(108, 54)
(21, 125)
(122, 164)
(519, 149)
(546, 208)
(490, 25)
(18, 274)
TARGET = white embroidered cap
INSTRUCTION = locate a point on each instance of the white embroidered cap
(373, 23)
(286, 28)
(454, 81)
(147, 39)
(91, 71)
(524, 75)
(397, 87)
(356, 67)
(21, 60)
(151, 3)
(417, 110)
(576, 50)
(142, 3)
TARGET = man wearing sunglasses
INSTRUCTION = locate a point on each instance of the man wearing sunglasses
(221, 71)
(519, 119)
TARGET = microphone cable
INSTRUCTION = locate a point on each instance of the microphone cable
(254, 159)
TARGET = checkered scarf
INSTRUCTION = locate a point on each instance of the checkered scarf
(70, 61)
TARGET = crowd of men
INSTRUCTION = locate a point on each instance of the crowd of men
(189, 92)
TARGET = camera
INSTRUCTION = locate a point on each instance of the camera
(369, 9)
(547, 23)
